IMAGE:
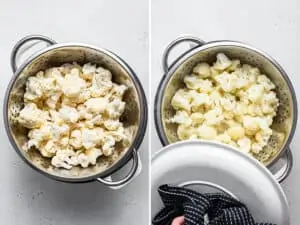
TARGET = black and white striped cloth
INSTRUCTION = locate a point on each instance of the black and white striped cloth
(201, 209)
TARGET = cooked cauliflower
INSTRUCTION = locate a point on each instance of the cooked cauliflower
(228, 102)
(32, 117)
(73, 114)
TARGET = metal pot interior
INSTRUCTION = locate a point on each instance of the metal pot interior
(57, 56)
(283, 122)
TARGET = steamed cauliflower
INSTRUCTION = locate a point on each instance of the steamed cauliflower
(73, 114)
(228, 102)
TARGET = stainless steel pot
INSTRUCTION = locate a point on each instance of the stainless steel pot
(200, 51)
(135, 114)
(207, 166)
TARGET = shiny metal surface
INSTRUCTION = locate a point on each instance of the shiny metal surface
(172, 80)
(58, 54)
(201, 183)
(225, 167)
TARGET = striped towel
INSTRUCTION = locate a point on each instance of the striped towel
(201, 209)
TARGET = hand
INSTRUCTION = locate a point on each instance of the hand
(178, 221)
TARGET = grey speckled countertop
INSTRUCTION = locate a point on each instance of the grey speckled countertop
(29, 198)
(273, 26)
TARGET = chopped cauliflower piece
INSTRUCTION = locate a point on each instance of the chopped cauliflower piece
(181, 117)
(202, 70)
(115, 108)
(32, 117)
(222, 62)
(195, 83)
(96, 105)
(71, 85)
(69, 114)
(207, 132)
(101, 83)
(244, 144)
(181, 100)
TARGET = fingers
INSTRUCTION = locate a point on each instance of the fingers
(178, 221)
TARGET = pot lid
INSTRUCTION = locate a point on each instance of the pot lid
(222, 168)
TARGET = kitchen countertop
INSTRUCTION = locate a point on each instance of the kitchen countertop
(273, 26)
(28, 198)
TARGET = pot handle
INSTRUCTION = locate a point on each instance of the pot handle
(24, 40)
(285, 171)
(173, 44)
(133, 173)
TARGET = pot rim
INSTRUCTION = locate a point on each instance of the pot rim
(187, 55)
(139, 134)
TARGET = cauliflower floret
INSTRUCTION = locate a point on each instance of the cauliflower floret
(254, 110)
(76, 139)
(198, 100)
(118, 91)
(202, 70)
(92, 137)
(119, 134)
(41, 134)
(69, 114)
(256, 148)
(51, 147)
(59, 131)
(226, 81)
(62, 159)
(112, 124)
(262, 137)
(236, 132)
(52, 101)
(101, 82)
(109, 145)
(88, 71)
(207, 132)
(72, 85)
(222, 62)
(32, 117)
(235, 65)
(84, 113)
(195, 83)
(270, 103)
(255, 93)
(55, 117)
(186, 132)
(115, 108)
(250, 124)
(39, 86)
(96, 105)
(181, 117)
(244, 144)
(215, 98)
(196, 117)
(228, 102)
(96, 121)
(181, 100)
(89, 157)
(225, 138)
(214, 116)
(265, 82)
